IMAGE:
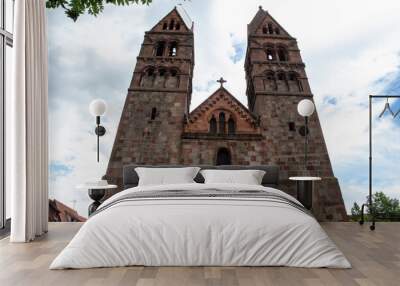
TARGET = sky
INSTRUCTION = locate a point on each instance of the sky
(351, 49)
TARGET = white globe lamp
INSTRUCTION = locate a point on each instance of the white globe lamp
(305, 108)
(97, 107)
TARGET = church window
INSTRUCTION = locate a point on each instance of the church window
(178, 26)
(160, 49)
(165, 26)
(265, 30)
(270, 54)
(292, 126)
(223, 157)
(294, 82)
(172, 49)
(221, 123)
(270, 82)
(270, 29)
(153, 113)
(281, 76)
(231, 126)
(172, 24)
(213, 125)
(150, 72)
(282, 54)
(292, 76)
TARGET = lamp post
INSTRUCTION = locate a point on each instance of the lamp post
(97, 108)
(305, 108)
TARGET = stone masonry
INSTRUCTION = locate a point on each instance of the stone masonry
(156, 126)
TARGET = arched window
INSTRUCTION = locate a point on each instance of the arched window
(213, 125)
(277, 31)
(281, 76)
(265, 30)
(160, 78)
(165, 26)
(172, 79)
(282, 82)
(282, 54)
(221, 123)
(172, 24)
(147, 79)
(153, 113)
(223, 157)
(270, 81)
(270, 54)
(294, 82)
(178, 26)
(270, 28)
(160, 49)
(172, 49)
(231, 126)
(150, 72)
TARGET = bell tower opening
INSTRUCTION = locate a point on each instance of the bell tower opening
(223, 157)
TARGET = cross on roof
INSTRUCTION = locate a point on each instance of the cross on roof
(221, 81)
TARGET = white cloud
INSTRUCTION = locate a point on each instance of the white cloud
(346, 46)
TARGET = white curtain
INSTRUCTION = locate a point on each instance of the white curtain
(28, 149)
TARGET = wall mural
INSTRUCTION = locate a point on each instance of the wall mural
(165, 104)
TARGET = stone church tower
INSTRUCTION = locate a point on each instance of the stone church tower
(158, 99)
(276, 82)
(156, 126)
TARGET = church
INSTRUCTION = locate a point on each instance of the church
(158, 128)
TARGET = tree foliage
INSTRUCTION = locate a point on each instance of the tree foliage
(385, 207)
(75, 8)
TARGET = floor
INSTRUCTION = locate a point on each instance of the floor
(375, 257)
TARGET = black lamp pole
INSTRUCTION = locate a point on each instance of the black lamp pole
(100, 131)
(305, 143)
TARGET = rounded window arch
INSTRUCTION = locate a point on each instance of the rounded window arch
(270, 81)
(283, 54)
(231, 126)
(270, 53)
(173, 49)
(213, 125)
(294, 81)
(223, 156)
(147, 77)
(270, 28)
(221, 123)
(160, 49)
(172, 24)
(281, 75)
(172, 80)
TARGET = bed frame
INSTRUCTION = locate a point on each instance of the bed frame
(270, 179)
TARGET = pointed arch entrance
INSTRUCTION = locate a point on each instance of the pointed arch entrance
(223, 157)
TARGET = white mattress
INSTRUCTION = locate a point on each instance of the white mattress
(200, 231)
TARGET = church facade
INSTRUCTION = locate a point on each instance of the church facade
(157, 127)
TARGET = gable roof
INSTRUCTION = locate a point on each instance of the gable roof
(181, 14)
(259, 19)
(222, 93)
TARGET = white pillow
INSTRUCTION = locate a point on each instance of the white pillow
(248, 177)
(166, 176)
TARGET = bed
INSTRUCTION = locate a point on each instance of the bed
(201, 224)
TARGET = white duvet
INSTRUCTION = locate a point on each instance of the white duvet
(200, 231)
